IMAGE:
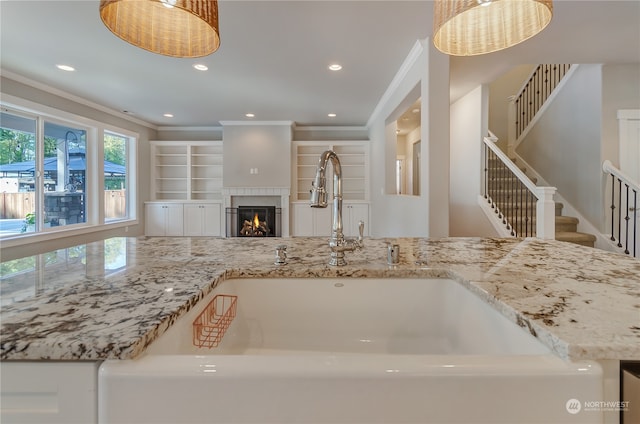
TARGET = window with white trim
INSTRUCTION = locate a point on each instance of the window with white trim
(54, 175)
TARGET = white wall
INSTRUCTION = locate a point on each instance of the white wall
(427, 214)
(620, 90)
(404, 148)
(509, 84)
(564, 145)
(190, 133)
(468, 126)
(262, 146)
(579, 131)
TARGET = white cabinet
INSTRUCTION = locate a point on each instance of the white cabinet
(308, 221)
(183, 219)
(186, 170)
(164, 219)
(352, 214)
(202, 219)
(49, 392)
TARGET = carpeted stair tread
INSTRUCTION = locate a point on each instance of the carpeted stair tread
(577, 238)
(566, 224)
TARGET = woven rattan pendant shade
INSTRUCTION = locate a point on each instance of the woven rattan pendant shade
(472, 27)
(177, 28)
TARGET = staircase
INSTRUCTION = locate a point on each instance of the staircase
(566, 226)
(515, 196)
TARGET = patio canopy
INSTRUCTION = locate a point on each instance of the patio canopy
(76, 163)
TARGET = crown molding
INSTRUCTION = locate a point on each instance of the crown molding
(256, 123)
(213, 128)
(331, 128)
(43, 87)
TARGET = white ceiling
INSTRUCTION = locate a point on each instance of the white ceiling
(274, 55)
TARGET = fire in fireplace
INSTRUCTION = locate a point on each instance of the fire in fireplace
(254, 227)
(253, 221)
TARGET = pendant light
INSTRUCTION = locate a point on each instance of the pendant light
(177, 28)
(472, 27)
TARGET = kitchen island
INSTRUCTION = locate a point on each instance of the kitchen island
(112, 299)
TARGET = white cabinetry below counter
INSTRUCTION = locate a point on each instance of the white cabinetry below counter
(202, 219)
(49, 392)
(183, 219)
(308, 221)
(164, 219)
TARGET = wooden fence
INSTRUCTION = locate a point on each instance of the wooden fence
(18, 205)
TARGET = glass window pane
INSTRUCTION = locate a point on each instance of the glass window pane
(65, 167)
(17, 174)
(115, 176)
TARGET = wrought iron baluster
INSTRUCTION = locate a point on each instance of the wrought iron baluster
(619, 211)
(635, 222)
(613, 206)
(626, 218)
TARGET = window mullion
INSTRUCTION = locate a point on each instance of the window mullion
(39, 174)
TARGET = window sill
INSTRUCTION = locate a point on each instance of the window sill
(64, 232)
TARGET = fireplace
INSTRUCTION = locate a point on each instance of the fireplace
(253, 221)
(276, 197)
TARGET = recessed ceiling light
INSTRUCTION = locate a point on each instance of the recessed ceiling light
(200, 67)
(168, 115)
(331, 115)
(66, 68)
(335, 67)
(249, 115)
(415, 110)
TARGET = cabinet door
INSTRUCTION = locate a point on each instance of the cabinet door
(49, 392)
(202, 219)
(302, 217)
(308, 221)
(352, 215)
(155, 219)
(322, 220)
(211, 220)
(193, 220)
(174, 220)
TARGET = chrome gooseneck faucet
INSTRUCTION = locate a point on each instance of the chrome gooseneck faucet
(337, 243)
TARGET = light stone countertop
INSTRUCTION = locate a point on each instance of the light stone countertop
(111, 299)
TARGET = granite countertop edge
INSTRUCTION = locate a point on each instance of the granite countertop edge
(489, 283)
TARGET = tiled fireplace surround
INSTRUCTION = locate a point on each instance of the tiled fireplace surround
(259, 196)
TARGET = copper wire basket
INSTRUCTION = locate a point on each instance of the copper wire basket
(211, 324)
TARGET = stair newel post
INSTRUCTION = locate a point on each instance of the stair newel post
(546, 213)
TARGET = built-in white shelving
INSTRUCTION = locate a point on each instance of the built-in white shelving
(186, 170)
(354, 160)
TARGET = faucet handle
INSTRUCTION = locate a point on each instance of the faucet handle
(361, 229)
